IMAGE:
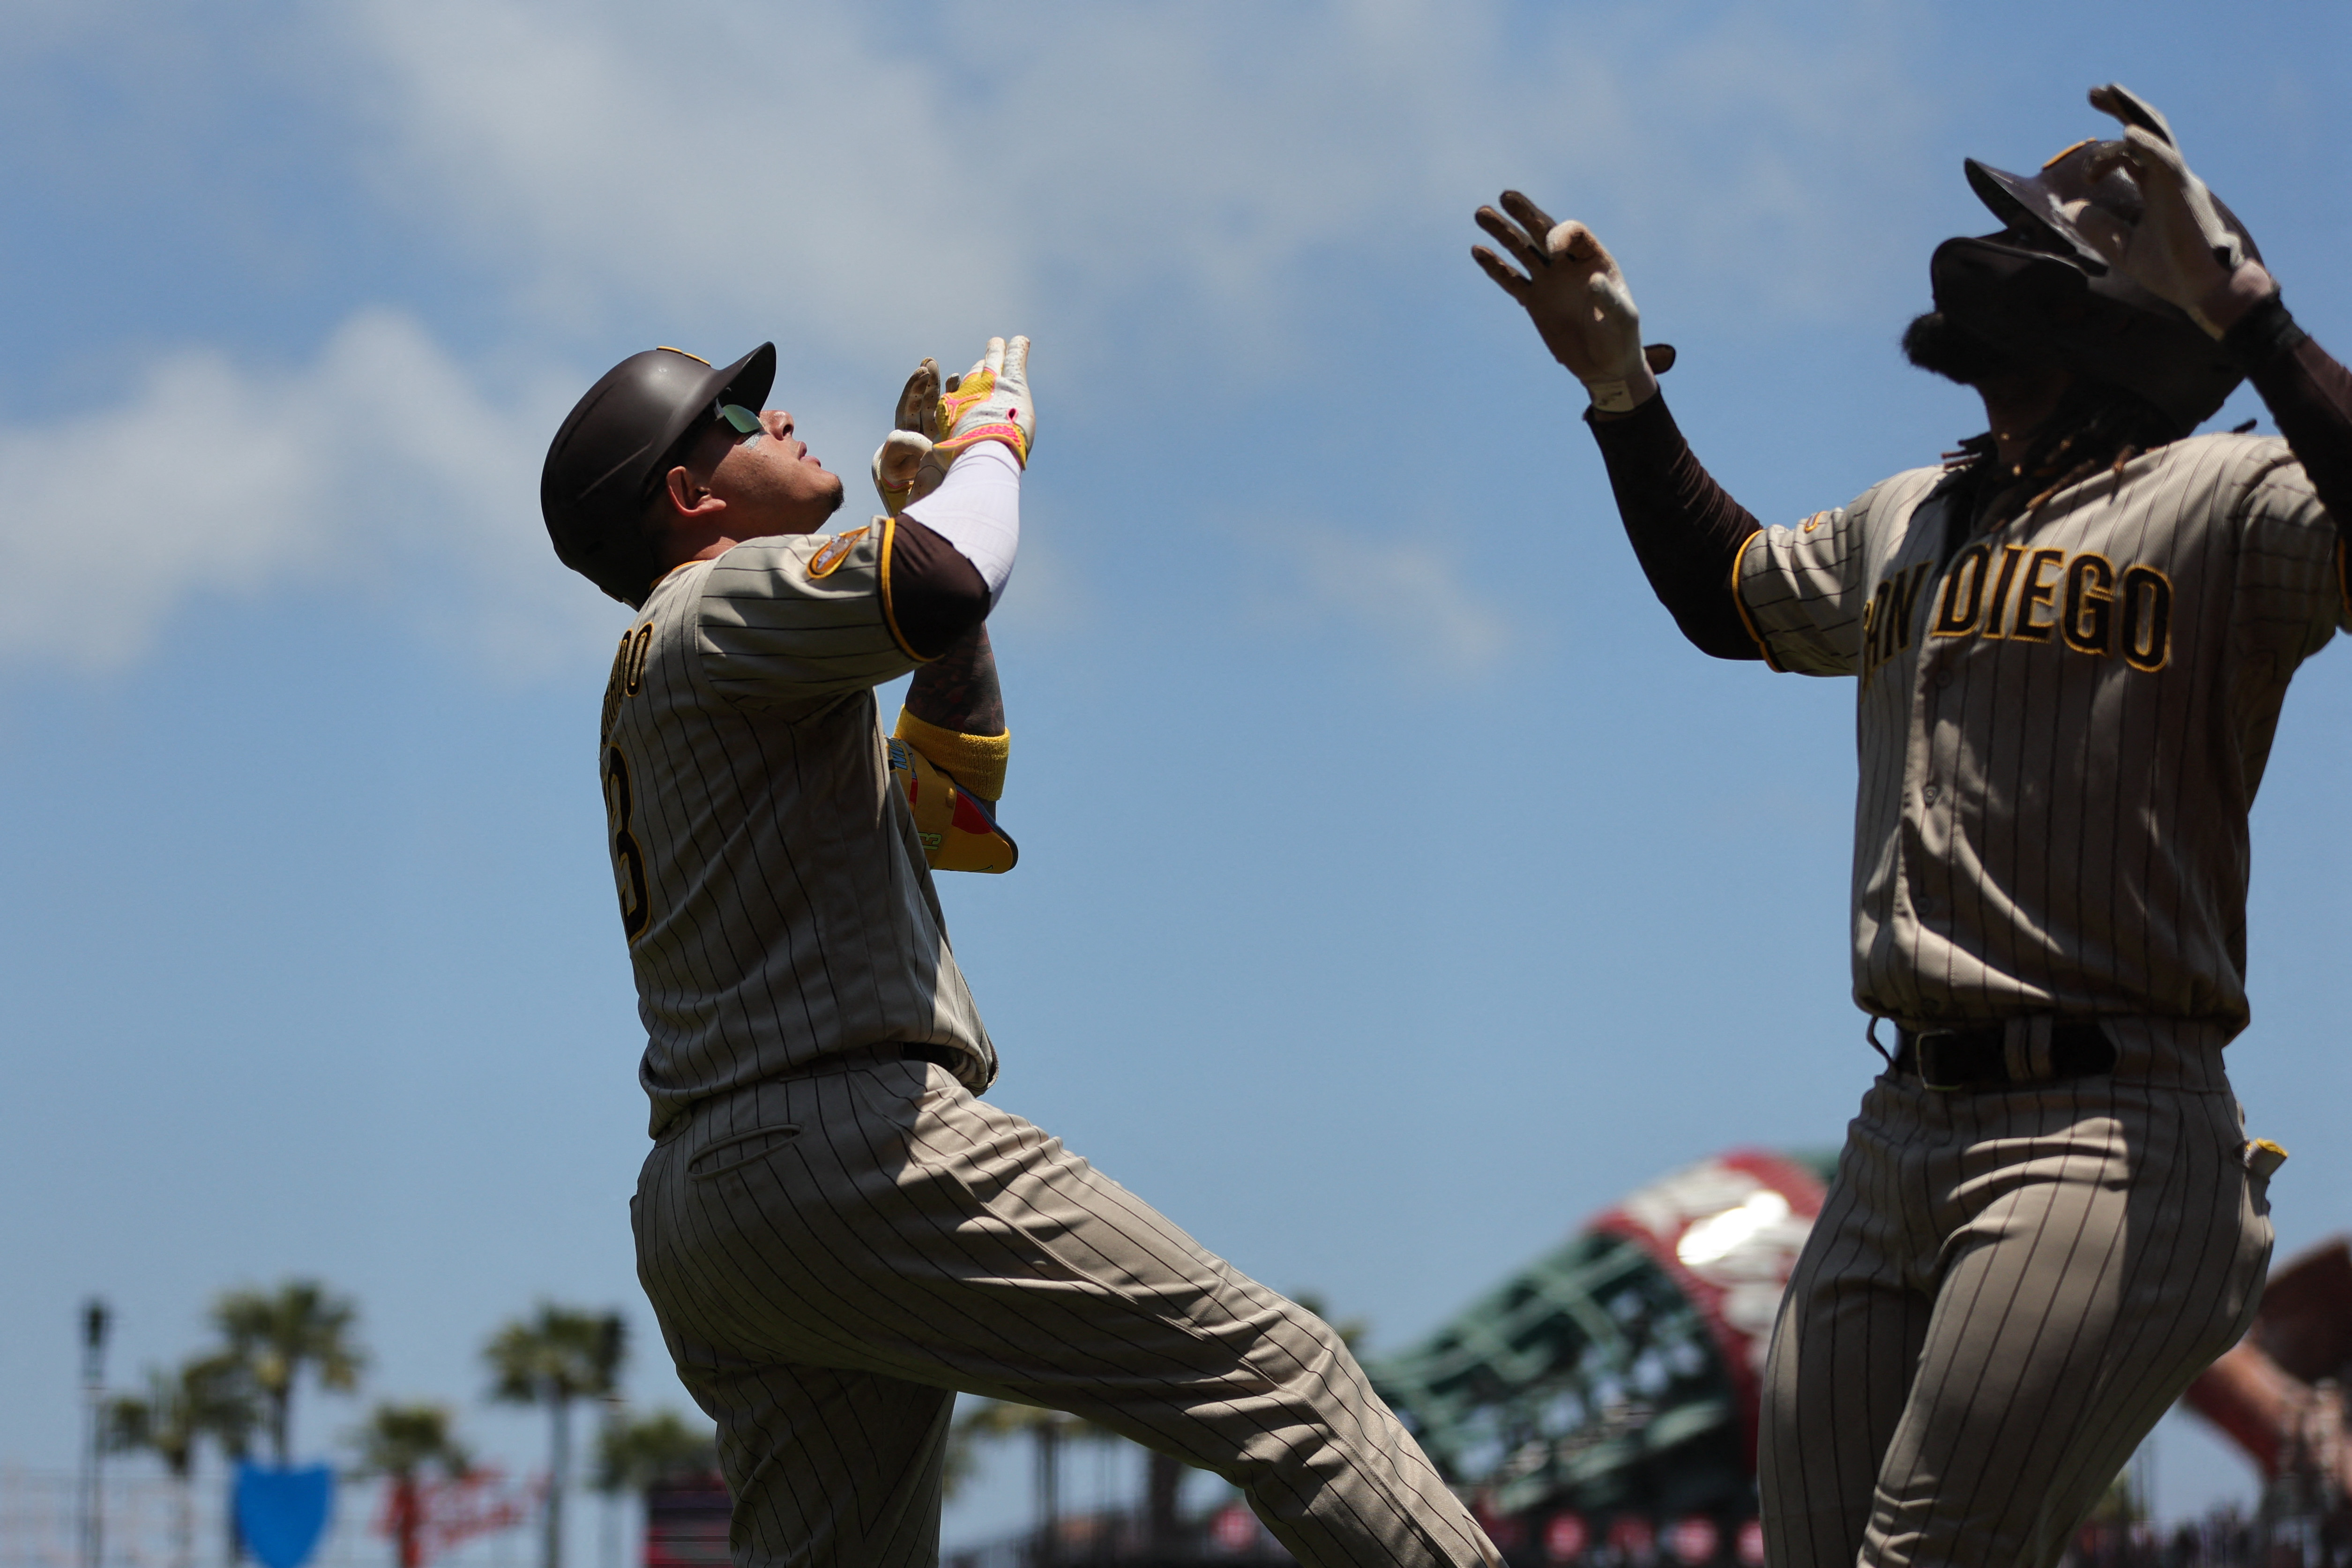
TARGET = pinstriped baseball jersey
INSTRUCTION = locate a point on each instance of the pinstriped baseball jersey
(2059, 730)
(771, 886)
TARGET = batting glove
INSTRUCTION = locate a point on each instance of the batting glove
(2180, 250)
(908, 466)
(1578, 299)
(989, 402)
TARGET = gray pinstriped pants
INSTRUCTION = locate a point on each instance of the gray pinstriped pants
(833, 1256)
(2002, 1294)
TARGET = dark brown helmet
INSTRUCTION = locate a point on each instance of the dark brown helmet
(2040, 293)
(628, 428)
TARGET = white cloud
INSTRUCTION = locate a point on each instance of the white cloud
(1116, 177)
(385, 472)
(884, 185)
(379, 470)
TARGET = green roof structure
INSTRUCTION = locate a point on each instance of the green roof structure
(1618, 1371)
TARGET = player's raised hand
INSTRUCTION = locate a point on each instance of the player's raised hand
(906, 467)
(2180, 251)
(989, 402)
(919, 400)
(1573, 290)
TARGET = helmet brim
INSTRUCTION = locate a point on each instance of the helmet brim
(2030, 208)
(747, 381)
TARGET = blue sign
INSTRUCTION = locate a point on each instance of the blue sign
(282, 1514)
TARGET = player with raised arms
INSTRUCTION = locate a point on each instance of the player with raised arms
(2070, 644)
(837, 1235)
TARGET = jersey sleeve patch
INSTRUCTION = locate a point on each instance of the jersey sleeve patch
(834, 550)
(798, 620)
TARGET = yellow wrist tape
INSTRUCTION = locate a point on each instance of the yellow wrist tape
(975, 762)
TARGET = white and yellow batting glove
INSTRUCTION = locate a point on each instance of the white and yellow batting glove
(989, 402)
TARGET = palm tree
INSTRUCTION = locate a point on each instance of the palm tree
(273, 1335)
(1048, 1430)
(206, 1397)
(400, 1442)
(232, 1407)
(635, 1454)
(554, 1357)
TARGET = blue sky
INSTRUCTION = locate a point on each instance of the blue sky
(1396, 889)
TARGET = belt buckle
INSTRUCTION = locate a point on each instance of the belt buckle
(1926, 1051)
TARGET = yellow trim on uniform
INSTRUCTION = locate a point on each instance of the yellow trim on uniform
(1740, 604)
(891, 617)
(826, 559)
(975, 762)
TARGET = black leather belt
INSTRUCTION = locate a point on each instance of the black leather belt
(946, 1057)
(1980, 1058)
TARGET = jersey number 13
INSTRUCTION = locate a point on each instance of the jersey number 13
(628, 858)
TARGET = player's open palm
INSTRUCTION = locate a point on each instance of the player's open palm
(1573, 290)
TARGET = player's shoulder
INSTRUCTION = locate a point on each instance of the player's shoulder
(2224, 456)
(2248, 477)
(2230, 447)
(794, 588)
(1909, 486)
(800, 559)
(674, 593)
(1868, 516)
(682, 581)
(1894, 498)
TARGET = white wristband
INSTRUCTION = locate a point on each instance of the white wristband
(1611, 396)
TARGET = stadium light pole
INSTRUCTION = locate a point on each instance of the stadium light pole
(94, 1317)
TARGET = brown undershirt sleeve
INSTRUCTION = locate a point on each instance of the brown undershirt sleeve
(2308, 392)
(937, 596)
(1687, 530)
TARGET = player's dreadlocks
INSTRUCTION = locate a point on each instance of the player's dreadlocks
(2093, 428)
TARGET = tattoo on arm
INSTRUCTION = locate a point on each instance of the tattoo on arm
(958, 690)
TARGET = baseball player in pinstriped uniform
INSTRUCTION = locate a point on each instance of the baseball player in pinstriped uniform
(835, 1233)
(2071, 643)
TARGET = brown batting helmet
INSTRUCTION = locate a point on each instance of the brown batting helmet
(2039, 292)
(631, 427)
